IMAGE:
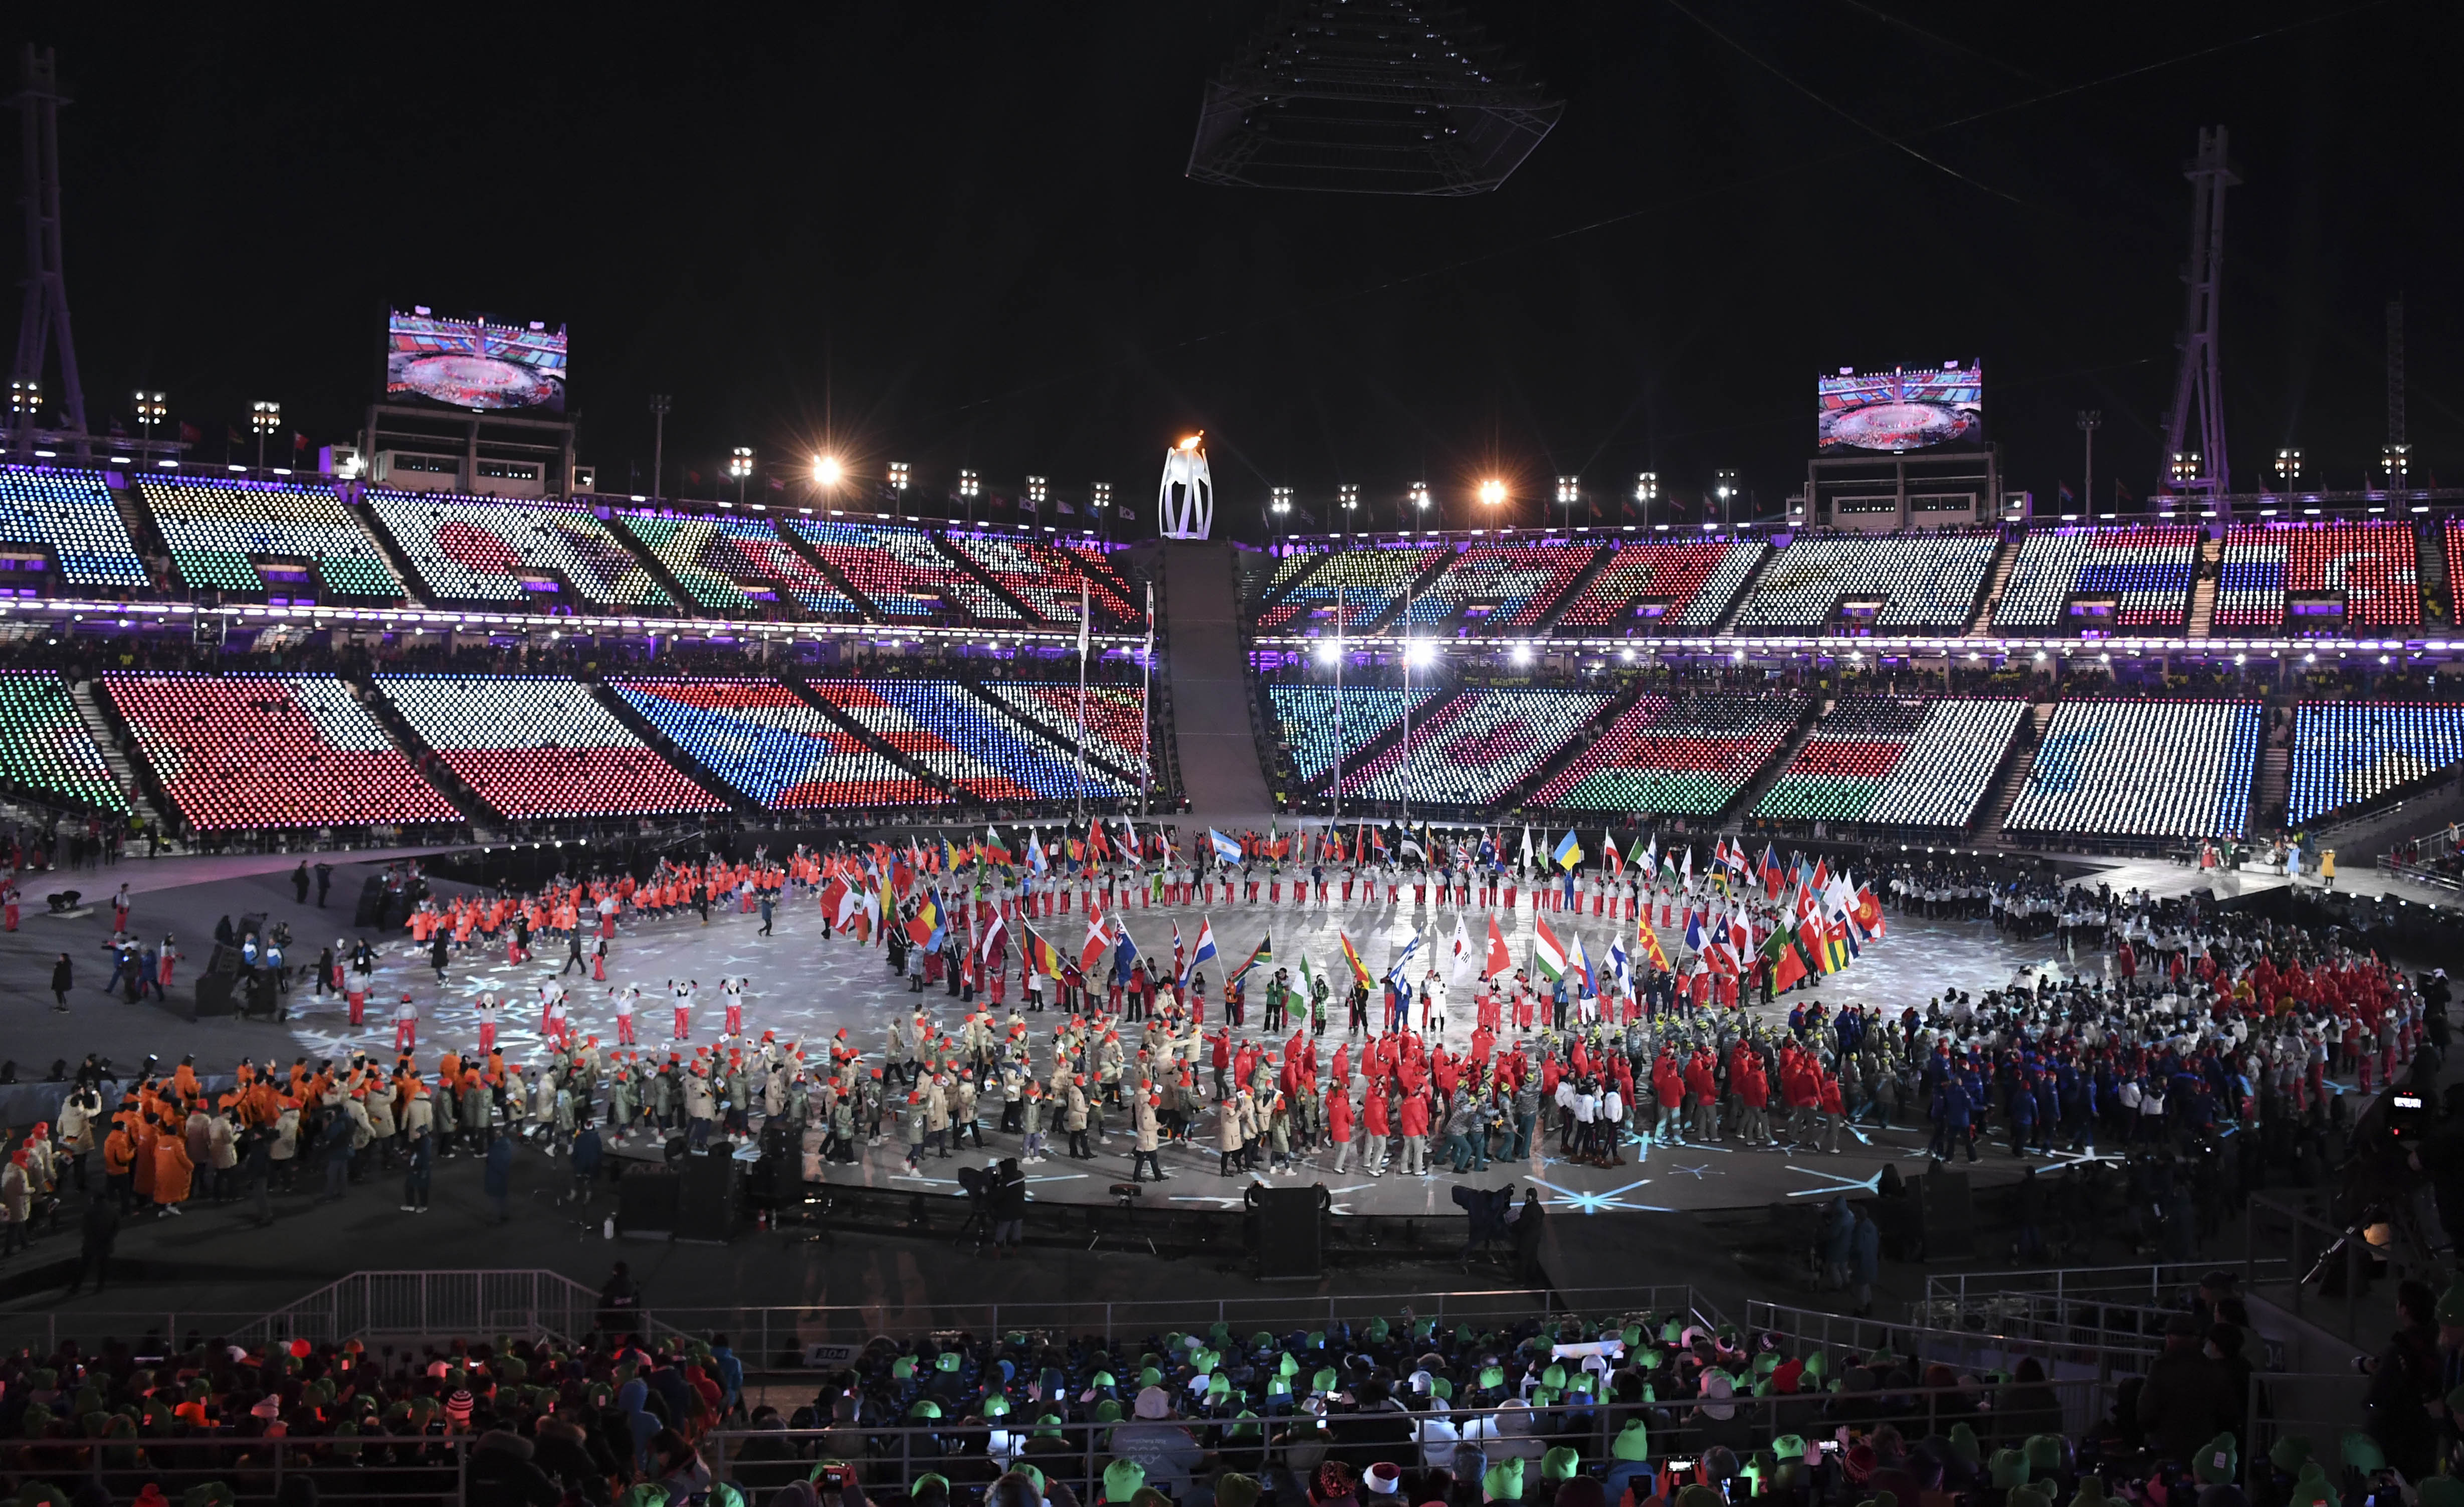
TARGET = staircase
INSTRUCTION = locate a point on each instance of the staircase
(141, 799)
(2275, 787)
(1574, 589)
(2015, 779)
(2203, 589)
(2437, 583)
(2005, 559)
(957, 561)
(1513, 796)
(1419, 583)
(1751, 794)
(439, 778)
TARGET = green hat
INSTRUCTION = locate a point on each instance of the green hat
(1789, 1447)
(1048, 1426)
(1760, 1468)
(2291, 1452)
(1963, 1443)
(1109, 1410)
(2009, 1468)
(1289, 1365)
(903, 1369)
(1218, 1389)
(1502, 1482)
(924, 1407)
(1632, 1334)
(1279, 1386)
(1033, 1473)
(929, 1479)
(1377, 1331)
(2044, 1453)
(1491, 1376)
(1554, 1377)
(2091, 1492)
(647, 1493)
(1544, 1397)
(1670, 1333)
(1767, 1362)
(1648, 1360)
(1818, 1363)
(1699, 1494)
(1150, 1377)
(996, 1406)
(1442, 1387)
(2213, 1465)
(2451, 1304)
(2311, 1487)
(1560, 1464)
(1232, 1489)
(1324, 1380)
(1632, 1443)
(2027, 1497)
(2442, 1491)
(946, 1361)
(1122, 1479)
(2363, 1454)
(1101, 1380)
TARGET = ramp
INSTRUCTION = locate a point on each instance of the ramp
(1210, 689)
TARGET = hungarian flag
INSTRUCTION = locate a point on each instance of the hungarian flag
(1499, 960)
(1548, 953)
(1361, 973)
(1041, 956)
(1788, 969)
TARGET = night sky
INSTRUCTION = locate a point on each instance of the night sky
(959, 235)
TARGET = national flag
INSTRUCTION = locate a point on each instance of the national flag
(1835, 945)
(1686, 874)
(833, 900)
(1204, 952)
(1567, 853)
(995, 851)
(1779, 951)
(1651, 949)
(1620, 967)
(1308, 978)
(1809, 933)
(1411, 846)
(1175, 939)
(1226, 851)
(1869, 914)
(1036, 863)
(924, 927)
(1096, 843)
(1527, 847)
(1399, 975)
(1499, 960)
(1693, 929)
(1265, 954)
(1741, 935)
(1459, 968)
(1361, 973)
(1773, 877)
(1644, 856)
(1125, 953)
(1099, 942)
(1377, 841)
(996, 938)
(1548, 953)
(1616, 859)
(1580, 967)
(1041, 956)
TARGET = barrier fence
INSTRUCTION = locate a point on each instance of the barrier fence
(369, 1468)
(1972, 1350)
(2091, 1305)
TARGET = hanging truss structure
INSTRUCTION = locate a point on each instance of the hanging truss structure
(2195, 460)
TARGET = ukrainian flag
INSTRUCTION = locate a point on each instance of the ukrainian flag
(1569, 850)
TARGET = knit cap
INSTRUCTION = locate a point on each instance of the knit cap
(1560, 1464)
(1122, 1479)
(1502, 1482)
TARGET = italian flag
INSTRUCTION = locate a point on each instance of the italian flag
(1548, 953)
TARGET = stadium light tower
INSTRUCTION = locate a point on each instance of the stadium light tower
(2288, 470)
(1420, 499)
(1725, 486)
(153, 409)
(1099, 495)
(740, 465)
(25, 401)
(969, 484)
(898, 480)
(264, 417)
(1347, 496)
(1492, 492)
(828, 473)
(1646, 492)
(2396, 460)
(1570, 492)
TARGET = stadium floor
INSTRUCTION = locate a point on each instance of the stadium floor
(805, 987)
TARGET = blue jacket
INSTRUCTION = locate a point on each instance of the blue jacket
(500, 1168)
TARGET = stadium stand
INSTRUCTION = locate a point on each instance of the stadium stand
(1116, 717)
(1047, 578)
(1315, 725)
(474, 550)
(951, 736)
(266, 750)
(45, 749)
(723, 562)
(2347, 752)
(2147, 571)
(1891, 759)
(1290, 569)
(541, 746)
(1678, 583)
(1371, 582)
(901, 572)
(224, 534)
(770, 744)
(2142, 769)
(1679, 758)
(70, 515)
(2371, 565)
(1500, 586)
(1928, 580)
(1477, 746)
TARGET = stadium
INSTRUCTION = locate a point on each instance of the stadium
(813, 976)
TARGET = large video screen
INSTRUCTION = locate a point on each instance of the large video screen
(474, 365)
(1905, 409)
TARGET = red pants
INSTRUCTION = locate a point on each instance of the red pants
(625, 1028)
(406, 1035)
(682, 1016)
(598, 967)
(487, 1038)
(736, 1020)
(359, 1004)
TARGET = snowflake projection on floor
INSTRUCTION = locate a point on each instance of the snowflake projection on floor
(1600, 1202)
(1698, 1174)
(1835, 1183)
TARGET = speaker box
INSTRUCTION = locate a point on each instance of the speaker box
(705, 1198)
(1947, 1209)
(1290, 1233)
(645, 1204)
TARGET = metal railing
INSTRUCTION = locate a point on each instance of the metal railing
(44, 1331)
(369, 1468)
(534, 1304)
(2096, 1305)
(2306, 1237)
(1974, 1350)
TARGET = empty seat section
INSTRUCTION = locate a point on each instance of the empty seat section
(2142, 769)
(720, 561)
(1677, 583)
(1501, 585)
(1115, 716)
(1920, 581)
(1316, 725)
(69, 516)
(225, 536)
(901, 572)
(265, 750)
(1048, 579)
(2347, 752)
(772, 746)
(1476, 747)
(2372, 567)
(2147, 572)
(1881, 759)
(542, 746)
(1689, 756)
(1371, 582)
(471, 550)
(45, 749)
